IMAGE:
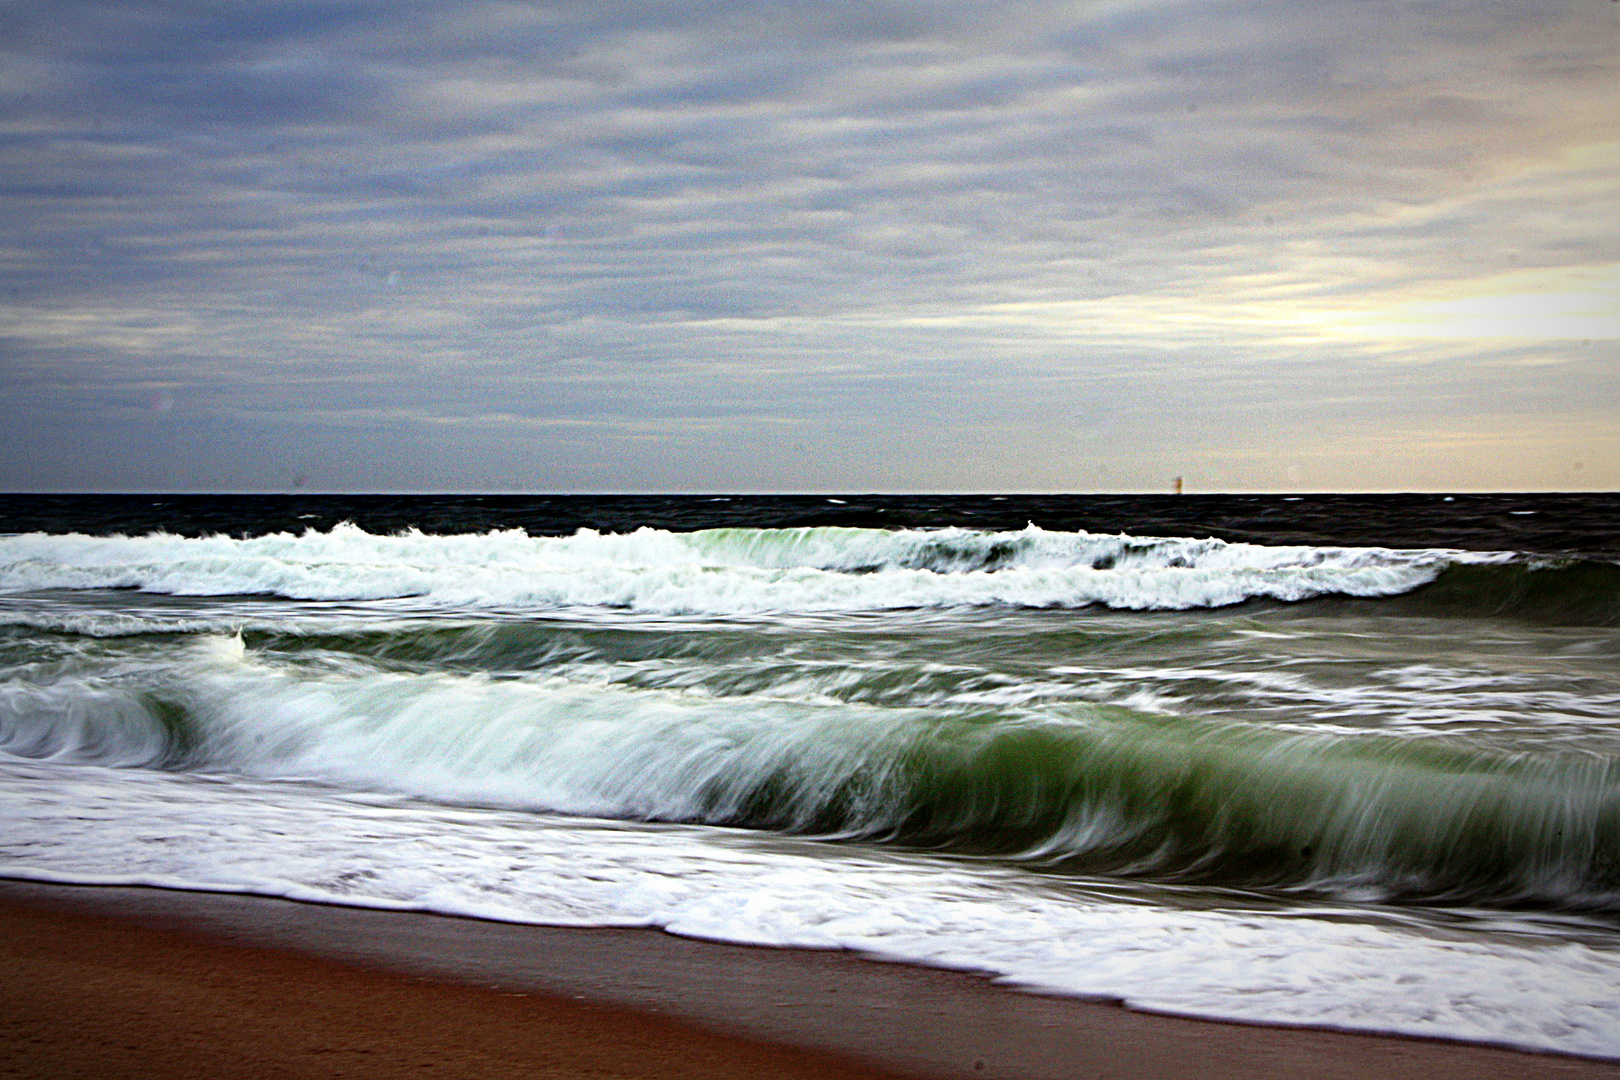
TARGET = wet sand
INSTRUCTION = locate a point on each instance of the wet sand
(127, 982)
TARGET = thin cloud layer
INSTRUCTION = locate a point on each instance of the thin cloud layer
(751, 247)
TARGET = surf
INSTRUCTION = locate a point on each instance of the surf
(720, 571)
(1069, 788)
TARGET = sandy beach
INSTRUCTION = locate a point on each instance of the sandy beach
(112, 982)
(92, 997)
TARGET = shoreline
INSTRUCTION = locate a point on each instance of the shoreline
(593, 1001)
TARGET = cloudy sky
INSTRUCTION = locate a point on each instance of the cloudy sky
(903, 245)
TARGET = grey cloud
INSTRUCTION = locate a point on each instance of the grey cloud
(748, 215)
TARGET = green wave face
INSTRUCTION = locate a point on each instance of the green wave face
(1224, 805)
(1089, 790)
(1566, 592)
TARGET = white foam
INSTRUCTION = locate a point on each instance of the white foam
(728, 571)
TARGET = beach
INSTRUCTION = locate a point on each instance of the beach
(114, 982)
(89, 996)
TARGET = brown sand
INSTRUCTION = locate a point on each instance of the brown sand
(87, 997)
(142, 982)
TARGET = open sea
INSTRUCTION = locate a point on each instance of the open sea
(1343, 761)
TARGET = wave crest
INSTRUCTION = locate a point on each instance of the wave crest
(720, 571)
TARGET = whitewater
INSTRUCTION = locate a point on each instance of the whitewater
(717, 571)
(1345, 785)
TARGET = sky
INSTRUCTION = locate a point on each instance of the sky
(1264, 245)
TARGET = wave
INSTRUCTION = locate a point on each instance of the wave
(1072, 788)
(1569, 592)
(724, 571)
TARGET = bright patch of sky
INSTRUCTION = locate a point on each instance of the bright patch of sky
(896, 245)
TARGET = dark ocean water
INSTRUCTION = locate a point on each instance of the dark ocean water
(1341, 760)
(1584, 524)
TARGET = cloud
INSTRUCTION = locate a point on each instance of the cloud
(992, 228)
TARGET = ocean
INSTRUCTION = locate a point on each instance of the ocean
(1340, 761)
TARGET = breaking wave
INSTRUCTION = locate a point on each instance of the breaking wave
(728, 571)
(1074, 788)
